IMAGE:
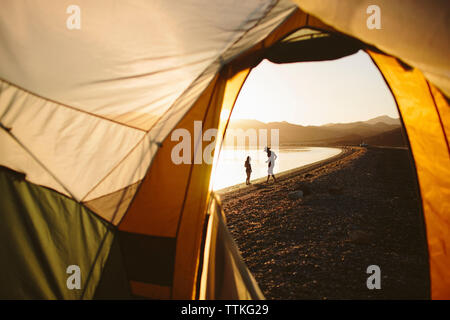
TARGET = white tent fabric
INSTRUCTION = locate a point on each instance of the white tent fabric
(85, 107)
(64, 141)
(412, 30)
(128, 62)
(133, 69)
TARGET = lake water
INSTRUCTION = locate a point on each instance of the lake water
(230, 168)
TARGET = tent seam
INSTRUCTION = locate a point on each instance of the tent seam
(97, 255)
(217, 60)
(439, 116)
(190, 176)
(37, 161)
(70, 107)
(112, 170)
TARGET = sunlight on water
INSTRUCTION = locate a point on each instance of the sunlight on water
(230, 168)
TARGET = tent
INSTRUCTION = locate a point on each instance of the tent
(91, 91)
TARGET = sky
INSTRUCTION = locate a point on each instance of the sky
(315, 93)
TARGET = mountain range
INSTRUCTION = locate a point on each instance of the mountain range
(383, 130)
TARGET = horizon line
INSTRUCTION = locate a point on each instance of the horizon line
(329, 123)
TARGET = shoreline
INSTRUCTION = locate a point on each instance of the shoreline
(358, 208)
(345, 151)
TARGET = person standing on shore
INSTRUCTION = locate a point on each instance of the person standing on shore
(271, 163)
(248, 170)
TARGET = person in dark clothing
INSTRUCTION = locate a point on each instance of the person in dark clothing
(248, 170)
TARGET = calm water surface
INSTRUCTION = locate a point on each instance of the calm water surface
(230, 169)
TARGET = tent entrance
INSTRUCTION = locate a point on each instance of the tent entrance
(418, 234)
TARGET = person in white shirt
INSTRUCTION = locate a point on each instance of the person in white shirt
(271, 163)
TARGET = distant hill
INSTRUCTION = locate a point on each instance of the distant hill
(382, 129)
(393, 138)
(381, 119)
(384, 119)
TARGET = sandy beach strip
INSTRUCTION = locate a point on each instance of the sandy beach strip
(345, 151)
(360, 207)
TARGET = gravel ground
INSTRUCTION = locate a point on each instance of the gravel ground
(359, 209)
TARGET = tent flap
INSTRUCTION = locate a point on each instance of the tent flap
(429, 146)
(225, 275)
